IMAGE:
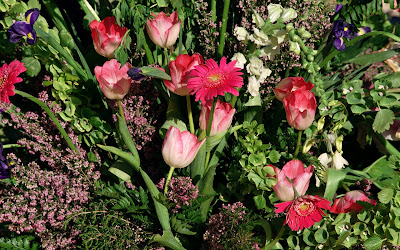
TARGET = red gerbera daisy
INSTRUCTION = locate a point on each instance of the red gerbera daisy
(209, 80)
(8, 77)
(303, 212)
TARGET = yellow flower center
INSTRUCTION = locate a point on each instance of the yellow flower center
(214, 79)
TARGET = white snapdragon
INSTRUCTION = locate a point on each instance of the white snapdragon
(265, 72)
(260, 38)
(254, 86)
(240, 60)
(257, 19)
(241, 34)
(288, 14)
(255, 66)
(338, 162)
(281, 35)
(274, 12)
(270, 51)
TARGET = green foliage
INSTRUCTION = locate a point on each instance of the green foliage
(23, 242)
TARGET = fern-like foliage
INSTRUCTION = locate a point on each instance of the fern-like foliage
(359, 10)
(23, 242)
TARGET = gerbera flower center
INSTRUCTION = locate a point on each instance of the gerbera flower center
(214, 79)
(304, 208)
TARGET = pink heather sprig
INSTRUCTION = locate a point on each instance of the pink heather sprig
(181, 191)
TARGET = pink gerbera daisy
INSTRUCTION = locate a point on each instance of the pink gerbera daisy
(303, 212)
(8, 77)
(209, 80)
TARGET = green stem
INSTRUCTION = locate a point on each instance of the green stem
(12, 146)
(345, 187)
(147, 50)
(214, 10)
(166, 56)
(270, 245)
(296, 152)
(88, 9)
(389, 147)
(171, 170)
(207, 161)
(121, 110)
(210, 118)
(190, 116)
(221, 45)
(51, 115)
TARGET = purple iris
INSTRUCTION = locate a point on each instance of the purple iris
(362, 31)
(24, 28)
(135, 74)
(341, 30)
(338, 7)
(4, 165)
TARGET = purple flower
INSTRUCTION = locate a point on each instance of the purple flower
(4, 165)
(341, 30)
(338, 7)
(135, 74)
(24, 28)
(362, 31)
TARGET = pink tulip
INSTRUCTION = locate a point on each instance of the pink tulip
(222, 119)
(180, 148)
(107, 36)
(180, 72)
(163, 30)
(300, 106)
(113, 79)
(348, 202)
(299, 178)
(290, 84)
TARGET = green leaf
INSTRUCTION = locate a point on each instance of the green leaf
(126, 137)
(372, 58)
(257, 159)
(168, 240)
(321, 235)
(32, 66)
(385, 195)
(172, 122)
(162, 3)
(33, 4)
(335, 176)
(260, 201)
(358, 108)
(274, 156)
(373, 243)
(383, 119)
(133, 161)
(154, 72)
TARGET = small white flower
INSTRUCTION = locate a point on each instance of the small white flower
(257, 19)
(288, 14)
(274, 12)
(260, 38)
(380, 93)
(240, 60)
(265, 72)
(255, 66)
(254, 86)
(270, 51)
(381, 87)
(281, 35)
(241, 34)
(345, 91)
(338, 162)
(325, 159)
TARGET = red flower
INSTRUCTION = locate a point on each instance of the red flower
(348, 202)
(180, 72)
(8, 77)
(210, 80)
(300, 106)
(303, 212)
(290, 84)
(107, 36)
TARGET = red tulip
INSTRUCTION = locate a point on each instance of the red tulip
(348, 202)
(180, 72)
(300, 106)
(107, 36)
(113, 79)
(299, 179)
(163, 30)
(290, 84)
(180, 148)
(222, 119)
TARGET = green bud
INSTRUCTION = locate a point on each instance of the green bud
(307, 145)
(301, 31)
(310, 58)
(338, 143)
(338, 126)
(294, 47)
(314, 52)
(306, 35)
(333, 103)
(289, 26)
(320, 123)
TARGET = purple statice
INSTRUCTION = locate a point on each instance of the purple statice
(181, 191)
(209, 34)
(20, 29)
(230, 228)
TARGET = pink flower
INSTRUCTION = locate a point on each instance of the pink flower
(107, 36)
(8, 77)
(180, 72)
(222, 118)
(299, 178)
(180, 148)
(393, 133)
(348, 202)
(113, 79)
(211, 80)
(303, 212)
(163, 30)
(290, 84)
(300, 106)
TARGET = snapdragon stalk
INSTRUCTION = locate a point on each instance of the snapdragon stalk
(221, 45)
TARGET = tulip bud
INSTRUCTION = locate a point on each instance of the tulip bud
(300, 106)
(163, 30)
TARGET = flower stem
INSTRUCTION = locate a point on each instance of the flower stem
(190, 116)
(296, 152)
(270, 245)
(121, 110)
(166, 56)
(87, 8)
(51, 115)
(171, 170)
(12, 146)
(207, 161)
(210, 118)
(221, 45)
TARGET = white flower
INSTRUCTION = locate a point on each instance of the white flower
(260, 38)
(241, 34)
(254, 86)
(345, 91)
(288, 14)
(270, 51)
(338, 162)
(257, 19)
(240, 60)
(255, 66)
(274, 12)
(325, 159)
(265, 72)
(281, 35)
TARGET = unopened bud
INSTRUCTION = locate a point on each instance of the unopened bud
(310, 58)
(289, 26)
(307, 145)
(320, 123)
